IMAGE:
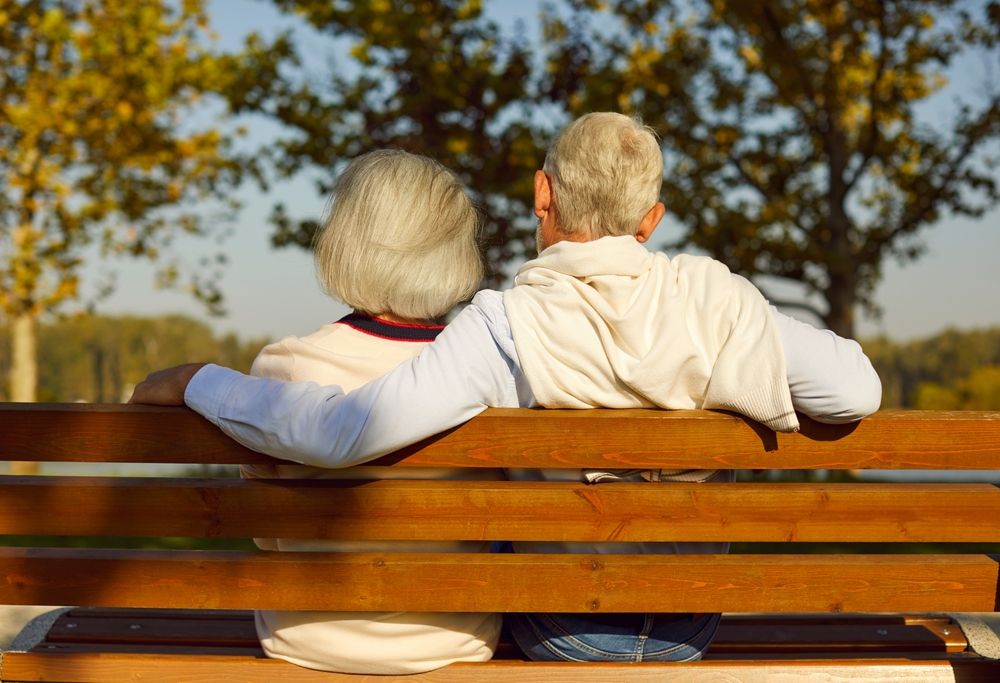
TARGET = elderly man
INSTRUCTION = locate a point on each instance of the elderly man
(596, 320)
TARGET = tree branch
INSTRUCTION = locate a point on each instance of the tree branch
(871, 140)
(752, 182)
(779, 37)
(931, 198)
(799, 305)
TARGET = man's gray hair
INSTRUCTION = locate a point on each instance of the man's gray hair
(606, 171)
(400, 236)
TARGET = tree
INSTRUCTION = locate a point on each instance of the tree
(98, 147)
(100, 359)
(433, 78)
(980, 390)
(792, 128)
(925, 372)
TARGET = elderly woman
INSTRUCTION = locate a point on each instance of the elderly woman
(399, 246)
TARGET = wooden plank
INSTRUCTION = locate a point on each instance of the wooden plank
(537, 438)
(100, 668)
(499, 583)
(517, 511)
(95, 432)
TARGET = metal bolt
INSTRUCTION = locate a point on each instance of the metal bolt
(135, 627)
(70, 625)
(882, 632)
(946, 631)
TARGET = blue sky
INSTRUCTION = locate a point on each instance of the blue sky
(272, 293)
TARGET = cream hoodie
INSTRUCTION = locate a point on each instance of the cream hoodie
(609, 324)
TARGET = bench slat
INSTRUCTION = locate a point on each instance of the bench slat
(499, 583)
(536, 438)
(103, 667)
(518, 511)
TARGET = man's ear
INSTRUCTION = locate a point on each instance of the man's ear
(649, 222)
(543, 194)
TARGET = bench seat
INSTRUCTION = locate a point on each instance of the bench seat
(92, 644)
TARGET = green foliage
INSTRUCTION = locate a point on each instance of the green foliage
(951, 370)
(791, 127)
(100, 359)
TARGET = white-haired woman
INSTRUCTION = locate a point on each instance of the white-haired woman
(399, 246)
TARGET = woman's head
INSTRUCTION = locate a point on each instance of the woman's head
(399, 237)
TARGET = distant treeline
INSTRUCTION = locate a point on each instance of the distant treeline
(101, 358)
(952, 370)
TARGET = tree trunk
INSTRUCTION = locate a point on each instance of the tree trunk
(840, 299)
(23, 368)
(23, 373)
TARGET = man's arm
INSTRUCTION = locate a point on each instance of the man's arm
(449, 382)
(830, 377)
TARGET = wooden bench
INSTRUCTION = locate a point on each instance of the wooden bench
(199, 628)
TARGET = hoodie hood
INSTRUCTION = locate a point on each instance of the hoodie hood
(607, 323)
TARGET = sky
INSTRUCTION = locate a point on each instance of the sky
(271, 293)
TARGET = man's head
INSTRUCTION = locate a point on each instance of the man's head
(602, 177)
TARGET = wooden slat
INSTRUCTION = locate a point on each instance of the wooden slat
(537, 438)
(499, 583)
(101, 668)
(518, 511)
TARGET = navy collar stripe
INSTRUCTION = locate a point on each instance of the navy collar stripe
(386, 329)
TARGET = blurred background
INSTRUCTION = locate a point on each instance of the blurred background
(164, 163)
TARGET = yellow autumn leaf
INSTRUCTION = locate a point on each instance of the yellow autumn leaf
(750, 56)
(457, 145)
(124, 110)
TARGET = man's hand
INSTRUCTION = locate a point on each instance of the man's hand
(165, 387)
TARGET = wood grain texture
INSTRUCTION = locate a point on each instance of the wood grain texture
(518, 511)
(101, 668)
(499, 583)
(536, 438)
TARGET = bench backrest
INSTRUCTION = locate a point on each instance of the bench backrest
(880, 513)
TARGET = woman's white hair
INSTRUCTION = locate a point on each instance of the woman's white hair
(606, 171)
(400, 236)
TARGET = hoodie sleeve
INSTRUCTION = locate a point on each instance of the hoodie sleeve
(449, 382)
(830, 377)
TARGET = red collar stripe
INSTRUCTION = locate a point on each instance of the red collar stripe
(387, 329)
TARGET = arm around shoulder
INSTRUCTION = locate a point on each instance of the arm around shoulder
(830, 377)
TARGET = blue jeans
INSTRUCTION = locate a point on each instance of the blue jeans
(613, 637)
